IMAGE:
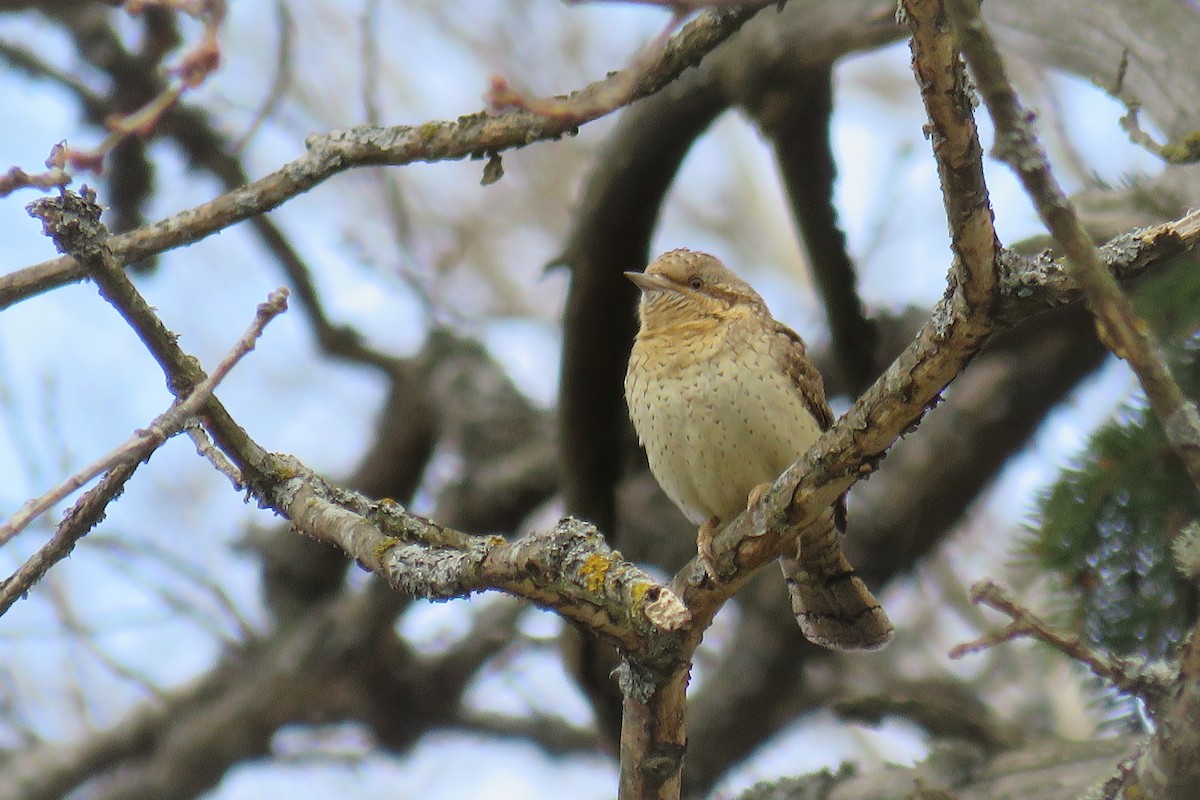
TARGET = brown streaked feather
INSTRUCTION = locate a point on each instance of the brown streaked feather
(793, 360)
(790, 353)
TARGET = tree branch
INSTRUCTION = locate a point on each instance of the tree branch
(1122, 673)
(119, 464)
(956, 149)
(474, 135)
(280, 476)
(1126, 334)
(569, 568)
(144, 442)
(1169, 766)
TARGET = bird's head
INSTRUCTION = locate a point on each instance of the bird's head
(684, 286)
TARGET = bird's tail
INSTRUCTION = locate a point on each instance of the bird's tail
(834, 607)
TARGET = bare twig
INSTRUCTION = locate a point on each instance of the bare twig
(370, 63)
(552, 734)
(206, 448)
(139, 446)
(1121, 673)
(193, 132)
(127, 552)
(622, 86)
(1167, 766)
(1126, 334)
(193, 68)
(119, 464)
(83, 640)
(370, 145)
(16, 178)
(87, 512)
(1184, 151)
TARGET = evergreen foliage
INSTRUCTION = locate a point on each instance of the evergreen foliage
(1106, 526)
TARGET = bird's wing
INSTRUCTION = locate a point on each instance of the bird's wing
(788, 349)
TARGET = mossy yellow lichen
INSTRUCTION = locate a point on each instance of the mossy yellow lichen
(638, 591)
(1185, 151)
(428, 131)
(1135, 792)
(387, 543)
(594, 571)
(286, 473)
(389, 506)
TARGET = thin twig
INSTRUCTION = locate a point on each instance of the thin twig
(127, 555)
(119, 466)
(206, 449)
(1119, 326)
(84, 641)
(206, 146)
(623, 85)
(192, 70)
(1145, 684)
(370, 145)
(143, 442)
(87, 512)
(1185, 150)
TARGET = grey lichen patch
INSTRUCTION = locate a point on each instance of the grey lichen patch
(1030, 284)
(290, 477)
(1122, 249)
(943, 318)
(578, 539)
(636, 682)
(430, 573)
(1018, 146)
(1022, 276)
(286, 491)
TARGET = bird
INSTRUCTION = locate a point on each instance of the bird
(724, 398)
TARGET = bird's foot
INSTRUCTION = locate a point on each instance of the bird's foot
(756, 494)
(704, 546)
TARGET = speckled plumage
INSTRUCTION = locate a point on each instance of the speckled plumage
(724, 399)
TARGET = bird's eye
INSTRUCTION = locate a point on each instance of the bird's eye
(695, 283)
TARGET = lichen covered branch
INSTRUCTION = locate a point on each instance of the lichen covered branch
(1120, 327)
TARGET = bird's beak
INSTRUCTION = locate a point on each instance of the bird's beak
(649, 282)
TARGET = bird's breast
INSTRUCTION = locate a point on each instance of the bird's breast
(717, 417)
